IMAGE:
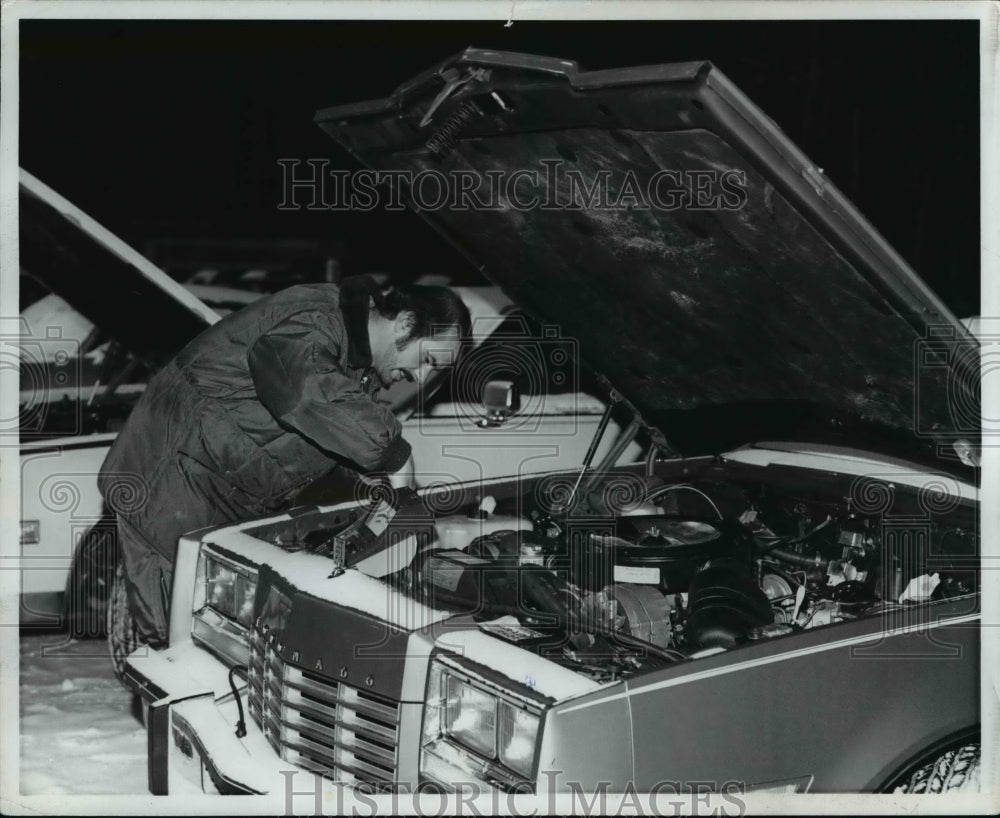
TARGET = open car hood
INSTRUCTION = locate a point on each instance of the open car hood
(103, 278)
(775, 301)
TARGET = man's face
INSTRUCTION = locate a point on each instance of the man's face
(414, 359)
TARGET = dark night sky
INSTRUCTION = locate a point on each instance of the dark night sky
(175, 128)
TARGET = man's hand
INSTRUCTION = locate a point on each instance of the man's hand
(399, 479)
(404, 477)
(375, 479)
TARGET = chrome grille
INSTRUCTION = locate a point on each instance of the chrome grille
(330, 728)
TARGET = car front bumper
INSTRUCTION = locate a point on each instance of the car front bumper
(191, 718)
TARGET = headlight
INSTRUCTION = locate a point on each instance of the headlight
(471, 716)
(225, 586)
(473, 732)
(223, 605)
(517, 737)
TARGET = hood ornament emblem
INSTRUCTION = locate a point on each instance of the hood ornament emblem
(339, 556)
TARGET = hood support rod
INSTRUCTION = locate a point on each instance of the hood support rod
(592, 449)
(616, 450)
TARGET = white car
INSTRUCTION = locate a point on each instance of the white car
(86, 350)
(88, 347)
(736, 614)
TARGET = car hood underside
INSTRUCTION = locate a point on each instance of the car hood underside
(765, 283)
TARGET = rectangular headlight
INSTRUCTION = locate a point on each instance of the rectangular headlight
(472, 732)
(222, 605)
(471, 717)
(226, 587)
(517, 738)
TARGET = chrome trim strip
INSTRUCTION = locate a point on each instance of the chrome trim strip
(779, 657)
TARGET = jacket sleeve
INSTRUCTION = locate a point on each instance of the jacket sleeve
(295, 370)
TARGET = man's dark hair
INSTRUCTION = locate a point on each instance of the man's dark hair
(434, 309)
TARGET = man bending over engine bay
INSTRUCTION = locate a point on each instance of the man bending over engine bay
(255, 408)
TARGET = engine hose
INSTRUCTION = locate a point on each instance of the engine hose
(668, 654)
(766, 549)
(543, 593)
(651, 460)
(795, 559)
(651, 495)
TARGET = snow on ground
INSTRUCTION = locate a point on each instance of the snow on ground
(78, 732)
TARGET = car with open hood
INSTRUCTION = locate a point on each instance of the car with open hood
(783, 596)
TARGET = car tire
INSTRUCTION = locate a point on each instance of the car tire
(91, 577)
(956, 770)
(122, 637)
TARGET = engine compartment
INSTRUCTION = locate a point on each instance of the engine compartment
(669, 569)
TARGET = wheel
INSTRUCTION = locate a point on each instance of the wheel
(956, 770)
(122, 637)
(90, 580)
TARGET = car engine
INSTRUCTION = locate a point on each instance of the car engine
(682, 571)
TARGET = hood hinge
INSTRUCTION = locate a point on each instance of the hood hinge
(453, 81)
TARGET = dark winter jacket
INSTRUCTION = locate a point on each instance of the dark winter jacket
(257, 406)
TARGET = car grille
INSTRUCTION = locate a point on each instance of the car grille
(330, 728)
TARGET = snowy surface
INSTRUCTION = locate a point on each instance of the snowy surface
(78, 733)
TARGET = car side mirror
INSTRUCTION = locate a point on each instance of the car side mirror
(501, 400)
